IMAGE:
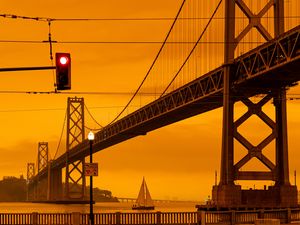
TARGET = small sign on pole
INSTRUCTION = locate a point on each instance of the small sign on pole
(91, 169)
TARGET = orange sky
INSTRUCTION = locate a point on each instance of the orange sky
(178, 161)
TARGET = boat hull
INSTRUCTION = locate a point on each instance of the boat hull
(143, 207)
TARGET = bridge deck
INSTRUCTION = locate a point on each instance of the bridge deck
(271, 65)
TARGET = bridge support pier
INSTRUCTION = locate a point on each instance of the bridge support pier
(56, 185)
(282, 194)
(42, 189)
(227, 194)
(31, 191)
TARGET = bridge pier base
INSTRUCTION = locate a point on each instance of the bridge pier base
(227, 195)
(56, 185)
(232, 196)
(287, 195)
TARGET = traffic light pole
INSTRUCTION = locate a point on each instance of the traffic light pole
(27, 68)
(62, 67)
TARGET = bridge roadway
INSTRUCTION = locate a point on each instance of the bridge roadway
(272, 65)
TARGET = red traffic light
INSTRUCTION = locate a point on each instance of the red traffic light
(63, 71)
(63, 60)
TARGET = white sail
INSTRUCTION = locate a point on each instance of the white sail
(149, 201)
(144, 197)
(141, 197)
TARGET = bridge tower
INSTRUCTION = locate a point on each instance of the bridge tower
(30, 175)
(30, 171)
(227, 194)
(75, 179)
(43, 156)
(41, 189)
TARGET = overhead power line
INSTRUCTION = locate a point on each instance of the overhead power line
(125, 42)
(79, 93)
(47, 19)
(61, 109)
(13, 16)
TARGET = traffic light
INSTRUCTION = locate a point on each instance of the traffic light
(63, 71)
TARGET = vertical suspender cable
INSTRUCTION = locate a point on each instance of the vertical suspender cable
(152, 65)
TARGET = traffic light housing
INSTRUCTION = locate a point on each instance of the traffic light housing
(63, 71)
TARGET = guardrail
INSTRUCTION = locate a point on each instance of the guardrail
(151, 218)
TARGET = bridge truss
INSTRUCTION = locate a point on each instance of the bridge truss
(268, 70)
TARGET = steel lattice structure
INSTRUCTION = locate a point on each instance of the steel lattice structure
(75, 179)
(266, 70)
(43, 156)
(30, 171)
(198, 96)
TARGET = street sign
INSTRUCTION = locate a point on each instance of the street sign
(91, 169)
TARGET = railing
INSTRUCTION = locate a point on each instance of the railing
(217, 217)
(246, 217)
(15, 218)
(179, 218)
(151, 218)
(51, 218)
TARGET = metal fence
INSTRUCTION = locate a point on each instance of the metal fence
(151, 218)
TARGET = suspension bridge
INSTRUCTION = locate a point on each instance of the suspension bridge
(222, 52)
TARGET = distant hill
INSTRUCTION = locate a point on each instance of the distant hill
(101, 195)
(13, 189)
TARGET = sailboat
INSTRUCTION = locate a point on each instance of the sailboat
(144, 200)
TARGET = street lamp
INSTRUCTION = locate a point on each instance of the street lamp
(91, 139)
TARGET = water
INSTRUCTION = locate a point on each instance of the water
(104, 207)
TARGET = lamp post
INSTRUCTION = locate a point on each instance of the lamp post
(91, 139)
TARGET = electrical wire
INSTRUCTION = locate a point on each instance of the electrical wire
(13, 16)
(51, 53)
(22, 41)
(58, 109)
(125, 42)
(77, 92)
(30, 110)
(47, 19)
(159, 18)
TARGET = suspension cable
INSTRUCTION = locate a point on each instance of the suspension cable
(152, 65)
(87, 109)
(61, 134)
(197, 42)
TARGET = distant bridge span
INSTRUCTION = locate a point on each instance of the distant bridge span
(155, 200)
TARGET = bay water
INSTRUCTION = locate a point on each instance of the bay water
(99, 207)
